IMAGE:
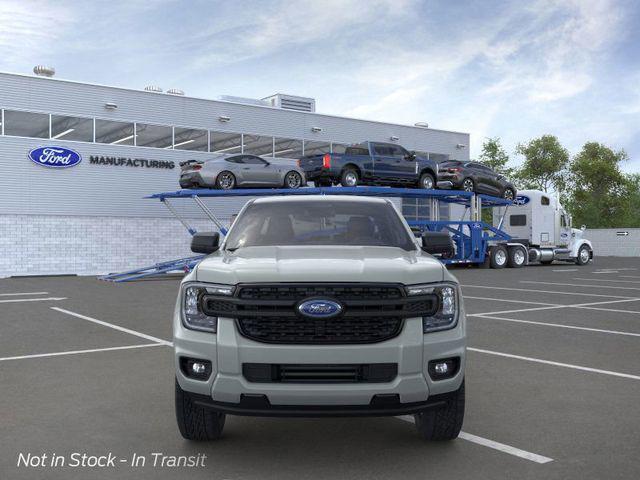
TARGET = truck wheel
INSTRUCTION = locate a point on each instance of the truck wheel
(517, 257)
(584, 255)
(427, 182)
(225, 180)
(349, 178)
(499, 257)
(195, 422)
(443, 423)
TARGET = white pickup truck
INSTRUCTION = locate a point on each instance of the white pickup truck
(319, 306)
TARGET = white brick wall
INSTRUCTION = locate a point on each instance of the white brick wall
(607, 242)
(53, 245)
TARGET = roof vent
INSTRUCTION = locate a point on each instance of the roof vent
(244, 100)
(175, 91)
(422, 124)
(153, 88)
(43, 71)
(291, 102)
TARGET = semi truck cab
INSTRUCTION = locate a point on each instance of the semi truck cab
(540, 223)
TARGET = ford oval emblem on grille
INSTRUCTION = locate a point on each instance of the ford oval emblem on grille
(320, 308)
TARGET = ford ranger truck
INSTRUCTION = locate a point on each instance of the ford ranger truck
(318, 306)
(371, 163)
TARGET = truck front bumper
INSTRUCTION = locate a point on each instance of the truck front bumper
(411, 390)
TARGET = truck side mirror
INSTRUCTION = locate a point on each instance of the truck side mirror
(206, 242)
(438, 244)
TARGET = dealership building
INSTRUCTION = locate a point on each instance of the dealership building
(92, 217)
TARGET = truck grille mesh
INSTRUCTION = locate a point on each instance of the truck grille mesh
(372, 312)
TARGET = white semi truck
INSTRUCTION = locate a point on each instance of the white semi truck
(540, 231)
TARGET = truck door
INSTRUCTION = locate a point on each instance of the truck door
(564, 230)
(383, 161)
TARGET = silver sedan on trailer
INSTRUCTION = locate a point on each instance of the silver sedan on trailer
(241, 170)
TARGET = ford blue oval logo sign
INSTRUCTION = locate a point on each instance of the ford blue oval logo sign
(320, 308)
(55, 157)
(521, 200)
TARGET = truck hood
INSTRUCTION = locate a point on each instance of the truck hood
(320, 264)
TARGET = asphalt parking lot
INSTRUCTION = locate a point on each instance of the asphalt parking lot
(553, 386)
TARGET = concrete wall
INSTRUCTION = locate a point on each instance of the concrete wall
(612, 242)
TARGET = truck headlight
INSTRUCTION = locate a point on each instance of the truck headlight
(192, 316)
(446, 317)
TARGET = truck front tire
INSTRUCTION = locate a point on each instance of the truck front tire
(427, 181)
(195, 422)
(584, 255)
(443, 423)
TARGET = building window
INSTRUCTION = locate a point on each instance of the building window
(338, 147)
(115, 133)
(257, 145)
(157, 136)
(26, 124)
(71, 128)
(225, 142)
(316, 148)
(287, 148)
(438, 157)
(190, 139)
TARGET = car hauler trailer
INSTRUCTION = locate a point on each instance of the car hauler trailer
(475, 242)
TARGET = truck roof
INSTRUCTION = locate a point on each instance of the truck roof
(324, 198)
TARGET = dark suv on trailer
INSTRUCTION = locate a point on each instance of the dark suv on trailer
(474, 177)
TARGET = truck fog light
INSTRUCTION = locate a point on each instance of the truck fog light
(443, 368)
(199, 368)
(440, 368)
(195, 368)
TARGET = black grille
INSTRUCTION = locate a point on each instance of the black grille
(320, 373)
(371, 312)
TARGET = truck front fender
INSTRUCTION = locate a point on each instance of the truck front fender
(575, 246)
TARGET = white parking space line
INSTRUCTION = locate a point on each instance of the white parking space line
(467, 297)
(556, 364)
(629, 276)
(605, 280)
(580, 285)
(502, 447)
(558, 325)
(76, 352)
(589, 306)
(20, 300)
(26, 293)
(115, 327)
(546, 291)
(566, 270)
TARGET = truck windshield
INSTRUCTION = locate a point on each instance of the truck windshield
(319, 223)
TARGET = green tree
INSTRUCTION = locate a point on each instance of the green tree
(545, 164)
(494, 156)
(600, 194)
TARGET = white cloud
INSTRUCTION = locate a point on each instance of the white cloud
(30, 29)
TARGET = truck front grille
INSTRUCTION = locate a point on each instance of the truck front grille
(371, 312)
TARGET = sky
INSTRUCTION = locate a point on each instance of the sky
(509, 69)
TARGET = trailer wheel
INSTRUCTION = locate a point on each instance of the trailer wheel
(517, 257)
(499, 256)
(584, 255)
